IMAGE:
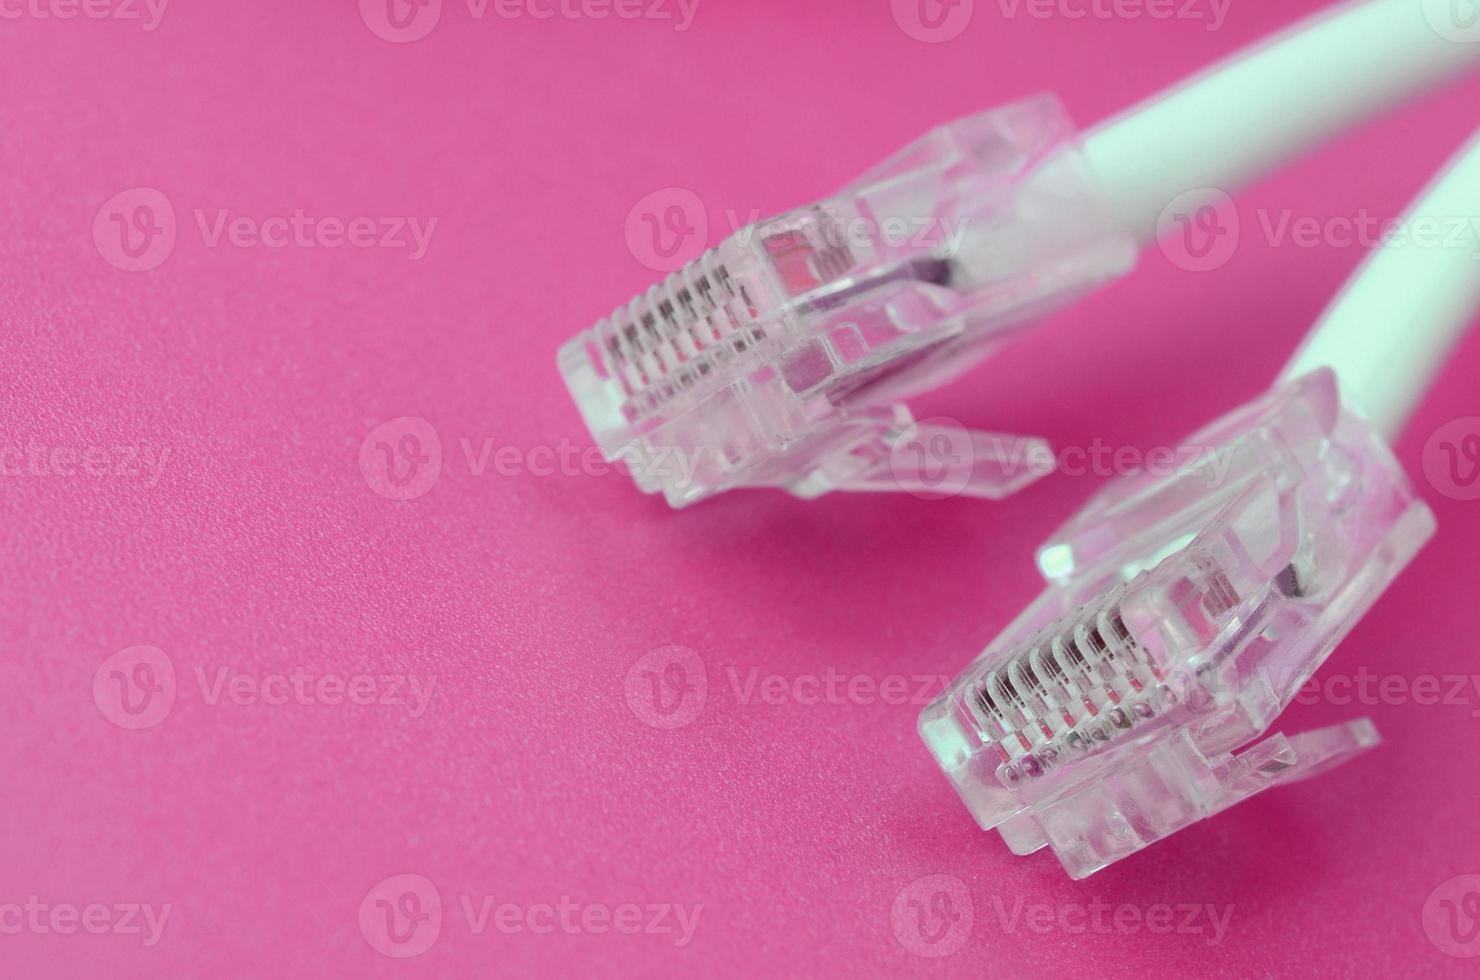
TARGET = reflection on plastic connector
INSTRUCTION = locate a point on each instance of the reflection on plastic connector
(782, 357)
(1178, 623)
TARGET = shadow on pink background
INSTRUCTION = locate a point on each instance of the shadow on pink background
(306, 715)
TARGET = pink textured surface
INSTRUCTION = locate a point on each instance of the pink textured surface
(524, 600)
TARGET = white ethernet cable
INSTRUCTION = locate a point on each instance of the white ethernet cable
(783, 356)
(1423, 291)
(1245, 117)
(1184, 614)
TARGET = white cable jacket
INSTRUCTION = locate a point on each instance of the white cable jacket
(1394, 325)
(1246, 116)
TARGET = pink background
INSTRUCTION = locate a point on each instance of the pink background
(526, 599)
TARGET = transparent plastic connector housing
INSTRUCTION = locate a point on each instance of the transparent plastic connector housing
(782, 357)
(1182, 615)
